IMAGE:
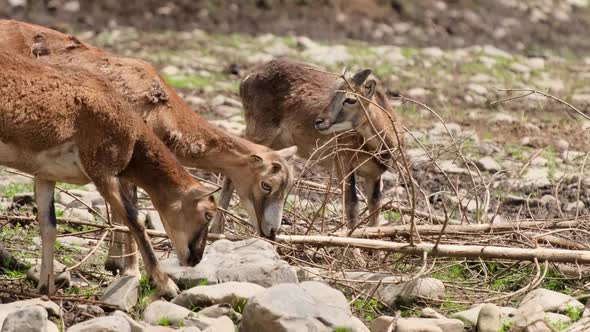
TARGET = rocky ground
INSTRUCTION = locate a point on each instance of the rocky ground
(519, 160)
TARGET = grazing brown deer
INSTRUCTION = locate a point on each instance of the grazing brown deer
(66, 124)
(260, 176)
(290, 103)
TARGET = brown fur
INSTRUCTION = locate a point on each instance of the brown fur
(194, 141)
(282, 100)
(48, 112)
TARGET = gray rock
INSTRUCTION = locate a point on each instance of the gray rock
(550, 300)
(561, 145)
(187, 329)
(488, 164)
(218, 310)
(122, 292)
(549, 201)
(221, 324)
(153, 221)
(158, 310)
(48, 306)
(536, 177)
(407, 293)
(90, 309)
(31, 319)
(293, 307)
(477, 89)
(79, 214)
(112, 323)
(328, 55)
(573, 206)
(308, 273)
(502, 118)
(231, 292)
(582, 99)
(488, 319)
(439, 129)
(471, 315)
(383, 324)
(227, 112)
(62, 279)
(201, 322)
(305, 42)
(135, 326)
(536, 63)
(51, 327)
(250, 260)
(429, 325)
(417, 92)
(529, 317)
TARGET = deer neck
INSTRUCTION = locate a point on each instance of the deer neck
(198, 144)
(154, 169)
(378, 128)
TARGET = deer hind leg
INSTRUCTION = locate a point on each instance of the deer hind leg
(123, 258)
(373, 192)
(123, 208)
(48, 224)
(218, 224)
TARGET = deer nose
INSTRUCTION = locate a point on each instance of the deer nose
(321, 123)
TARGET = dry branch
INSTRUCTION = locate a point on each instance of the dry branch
(387, 231)
(444, 250)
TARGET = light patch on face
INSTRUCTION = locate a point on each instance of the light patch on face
(252, 214)
(338, 127)
(273, 216)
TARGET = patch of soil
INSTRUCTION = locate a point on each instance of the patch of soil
(518, 26)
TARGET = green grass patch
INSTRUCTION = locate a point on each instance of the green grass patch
(239, 307)
(187, 82)
(68, 186)
(164, 321)
(575, 313)
(506, 326)
(16, 188)
(368, 308)
(392, 215)
(559, 326)
(408, 52)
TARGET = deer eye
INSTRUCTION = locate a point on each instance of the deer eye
(208, 216)
(350, 101)
(265, 186)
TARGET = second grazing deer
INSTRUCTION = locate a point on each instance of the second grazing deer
(260, 175)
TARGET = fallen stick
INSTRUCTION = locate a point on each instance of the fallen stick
(445, 250)
(59, 297)
(442, 250)
(387, 231)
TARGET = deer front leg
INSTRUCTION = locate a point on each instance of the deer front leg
(48, 224)
(351, 201)
(124, 209)
(218, 225)
(373, 192)
(123, 258)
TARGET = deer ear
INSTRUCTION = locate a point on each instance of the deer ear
(287, 153)
(370, 87)
(255, 160)
(359, 78)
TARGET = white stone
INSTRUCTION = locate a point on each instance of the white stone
(229, 292)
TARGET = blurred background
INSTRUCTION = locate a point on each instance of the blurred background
(453, 55)
(523, 26)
